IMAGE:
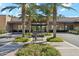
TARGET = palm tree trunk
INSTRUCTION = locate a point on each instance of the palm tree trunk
(29, 23)
(47, 24)
(29, 26)
(23, 20)
(54, 20)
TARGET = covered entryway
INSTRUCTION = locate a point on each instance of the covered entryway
(40, 27)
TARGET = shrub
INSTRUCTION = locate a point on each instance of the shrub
(22, 39)
(57, 39)
(2, 31)
(74, 32)
(47, 34)
(38, 50)
(28, 34)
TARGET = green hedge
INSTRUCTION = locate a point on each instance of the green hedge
(38, 50)
(47, 34)
(22, 39)
(28, 34)
(74, 32)
(57, 39)
(2, 31)
(41, 34)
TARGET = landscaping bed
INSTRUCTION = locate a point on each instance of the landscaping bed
(39, 34)
(76, 32)
(47, 34)
(38, 50)
(57, 39)
(28, 34)
(22, 39)
(2, 32)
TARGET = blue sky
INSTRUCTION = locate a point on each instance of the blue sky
(70, 13)
(65, 12)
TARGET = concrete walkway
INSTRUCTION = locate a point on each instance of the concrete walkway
(66, 49)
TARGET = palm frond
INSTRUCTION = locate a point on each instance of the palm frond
(66, 7)
(10, 8)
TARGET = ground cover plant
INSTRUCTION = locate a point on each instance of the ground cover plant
(38, 50)
(57, 39)
(22, 39)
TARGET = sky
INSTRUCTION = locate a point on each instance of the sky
(70, 13)
(62, 11)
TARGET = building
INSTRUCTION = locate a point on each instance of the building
(14, 24)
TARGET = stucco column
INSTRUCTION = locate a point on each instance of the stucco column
(64, 26)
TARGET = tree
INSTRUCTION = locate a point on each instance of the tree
(50, 9)
(55, 15)
(31, 12)
(23, 19)
(23, 7)
(54, 19)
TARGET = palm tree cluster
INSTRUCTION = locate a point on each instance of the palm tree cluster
(29, 10)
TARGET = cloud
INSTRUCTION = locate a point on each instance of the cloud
(67, 5)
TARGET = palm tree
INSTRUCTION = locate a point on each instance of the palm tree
(51, 10)
(24, 9)
(23, 19)
(31, 12)
(54, 19)
(60, 16)
(55, 6)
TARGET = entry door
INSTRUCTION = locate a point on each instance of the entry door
(38, 28)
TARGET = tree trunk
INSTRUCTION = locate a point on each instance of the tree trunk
(30, 27)
(54, 20)
(29, 23)
(23, 20)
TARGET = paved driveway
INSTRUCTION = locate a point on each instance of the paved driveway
(5, 45)
(71, 38)
(8, 37)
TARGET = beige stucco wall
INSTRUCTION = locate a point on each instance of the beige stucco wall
(8, 18)
(2, 22)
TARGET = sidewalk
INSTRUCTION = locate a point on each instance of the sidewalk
(66, 49)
